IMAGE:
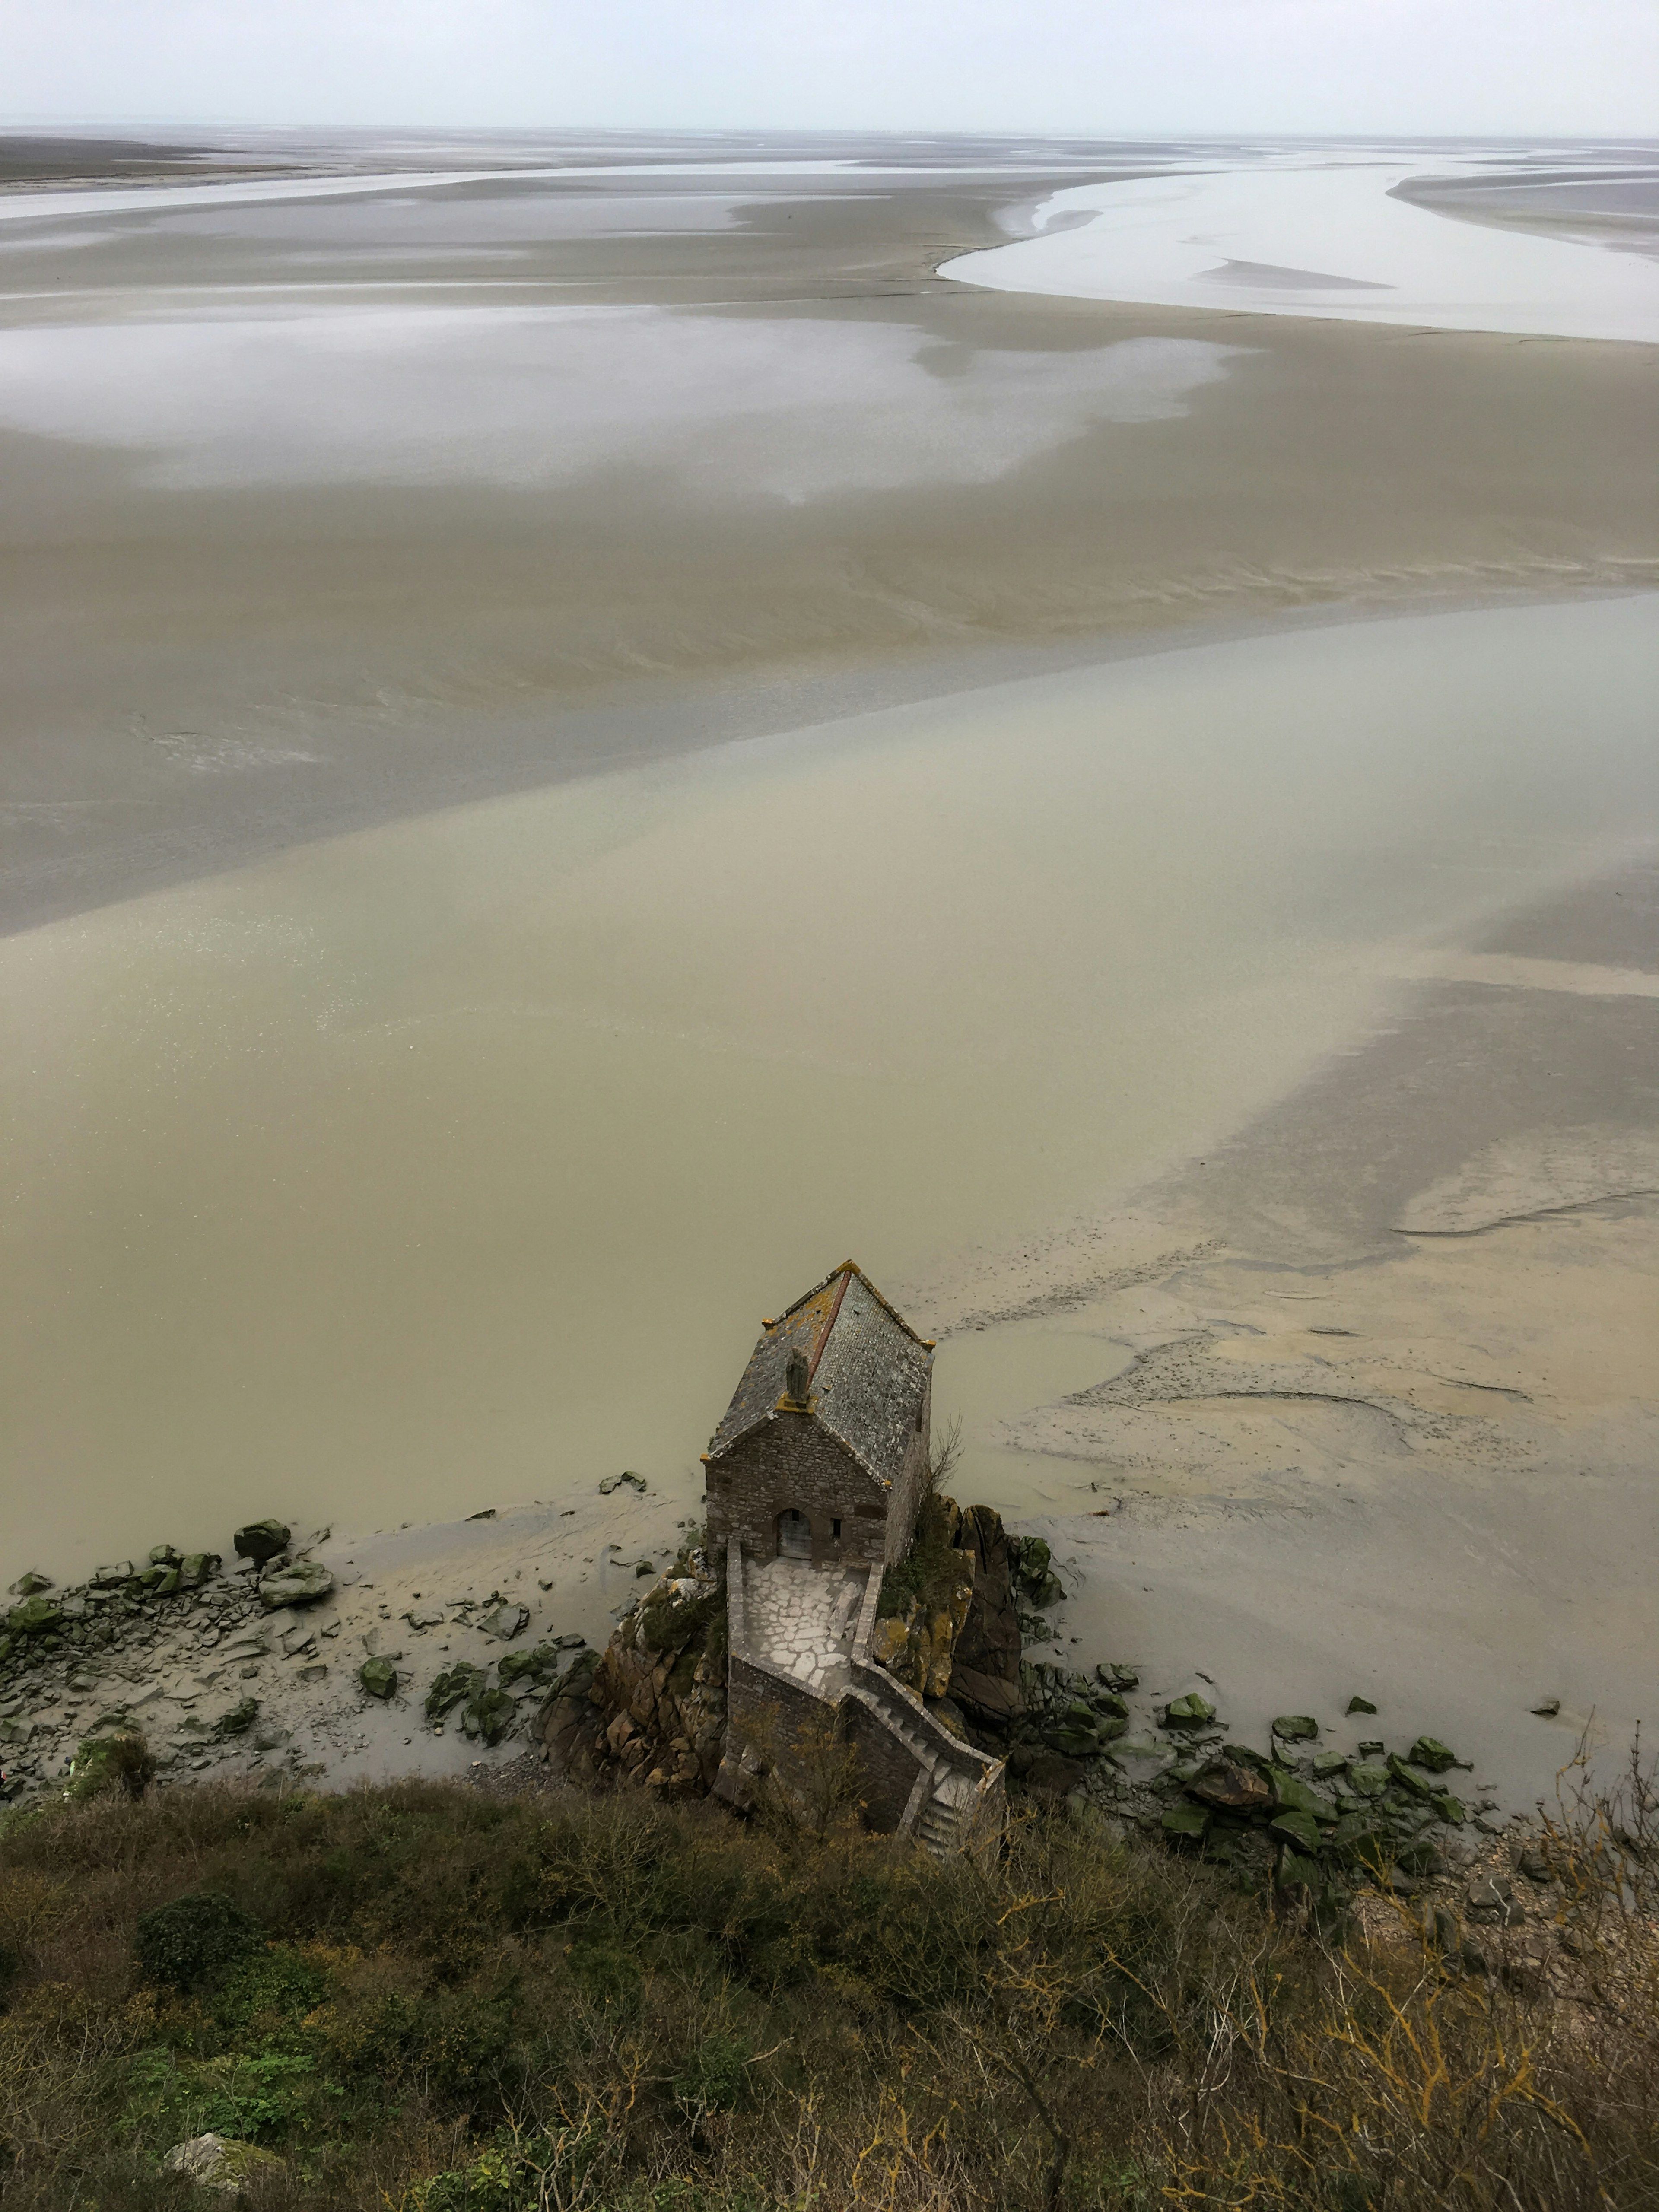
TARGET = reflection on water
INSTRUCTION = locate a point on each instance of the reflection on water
(456, 1162)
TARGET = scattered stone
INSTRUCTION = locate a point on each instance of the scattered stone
(1191, 1711)
(1330, 1762)
(239, 1718)
(302, 1583)
(317, 1672)
(261, 1540)
(1186, 1821)
(1030, 1562)
(379, 1676)
(1360, 1706)
(1413, 1783)
(1295, 1727)
(1491, 1897)
(487, 1514)
(610, 1482)
(35, 1616)
(1368, 1780)
(449, 1688)
(1449, 1808)
(1429, 1751)
(111, 1577)
(30, 1584)
(1116, 1676)
(1531, 1862)
(425, 1616)
(505, 1620)
(1232, 1788)
(1373, 1750)
(197, 1567)
(163, 1555)
(1548, 1709)
(491, 1714)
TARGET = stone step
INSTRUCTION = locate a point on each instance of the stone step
(939, 1829)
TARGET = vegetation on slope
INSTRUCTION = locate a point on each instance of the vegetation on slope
(424, 1999)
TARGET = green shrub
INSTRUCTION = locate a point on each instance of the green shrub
(122, 1759)
(180, 1945)
(240, 2096)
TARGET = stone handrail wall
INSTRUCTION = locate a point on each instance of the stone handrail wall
(948, 1750)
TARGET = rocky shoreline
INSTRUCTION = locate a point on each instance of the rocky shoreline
(249, 1671)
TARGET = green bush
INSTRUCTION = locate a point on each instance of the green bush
(240, 2096)
(122, 1761)
(180, 1945)
(462, 2003)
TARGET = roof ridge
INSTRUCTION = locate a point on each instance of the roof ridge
(852, 1267)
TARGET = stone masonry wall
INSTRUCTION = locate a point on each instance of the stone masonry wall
(908, 1490)
(887, 1772)
(790, 1461)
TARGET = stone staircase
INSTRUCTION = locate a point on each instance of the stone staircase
(956, 1801)
(952, 1779)
(940, 1826)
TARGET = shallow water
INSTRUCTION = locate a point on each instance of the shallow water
(455, 1162)
(1320, 233)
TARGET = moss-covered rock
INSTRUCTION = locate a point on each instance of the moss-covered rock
(1429, 1752)
(1295, 1727)
(303, 1584)
(221, 2163)
(1187, 1713)
(35, 1616)
(260, 1541)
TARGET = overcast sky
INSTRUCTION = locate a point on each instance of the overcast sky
(1111, 67)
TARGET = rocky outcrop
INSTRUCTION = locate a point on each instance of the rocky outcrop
(220, 2163)
(985, 1669)
(951, 1628)
(650, 1712)
(917, 1645)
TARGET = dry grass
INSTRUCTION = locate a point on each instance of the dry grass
(458, 2004)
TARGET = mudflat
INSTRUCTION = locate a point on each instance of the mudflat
(325, 510)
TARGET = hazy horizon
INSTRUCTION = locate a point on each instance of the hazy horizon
(1250, 68)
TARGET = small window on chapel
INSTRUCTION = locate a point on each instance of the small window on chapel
(834, 1531)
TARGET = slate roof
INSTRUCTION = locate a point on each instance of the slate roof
(867, 1372)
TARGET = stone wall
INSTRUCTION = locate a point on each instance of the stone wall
(907, 1492)
(887, 1769)
(790, 1462)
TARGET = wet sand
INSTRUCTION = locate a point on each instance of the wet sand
(1372, 1404)
(334, 559)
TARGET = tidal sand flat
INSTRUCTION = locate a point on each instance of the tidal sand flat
(334, 498)
(1354, 238)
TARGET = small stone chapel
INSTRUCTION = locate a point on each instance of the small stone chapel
(823, 1453)
(813, 1484)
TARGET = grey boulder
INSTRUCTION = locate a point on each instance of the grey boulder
(302, 1583)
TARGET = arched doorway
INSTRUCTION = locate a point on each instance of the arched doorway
(794, 1535)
